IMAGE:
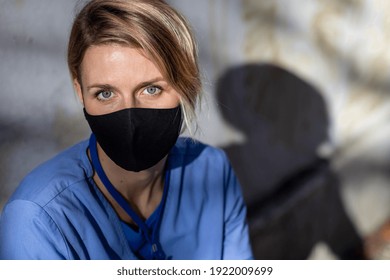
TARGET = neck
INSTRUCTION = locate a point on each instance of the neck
(142, 190)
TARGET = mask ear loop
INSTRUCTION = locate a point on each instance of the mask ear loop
(156, 246)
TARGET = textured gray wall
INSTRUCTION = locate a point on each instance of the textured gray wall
(39, 114)
(329, 97)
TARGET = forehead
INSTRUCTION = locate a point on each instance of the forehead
(111, 54)
(114, 60)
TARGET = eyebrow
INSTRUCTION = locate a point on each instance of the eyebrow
(140, 85)
(105, 86)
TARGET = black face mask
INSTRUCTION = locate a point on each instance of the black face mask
(136, 138)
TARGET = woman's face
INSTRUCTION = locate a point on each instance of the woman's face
(115, 77)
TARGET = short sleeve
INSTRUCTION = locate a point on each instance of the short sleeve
(28, 233)
(236, 234)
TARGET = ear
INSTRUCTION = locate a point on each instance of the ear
(78, 90)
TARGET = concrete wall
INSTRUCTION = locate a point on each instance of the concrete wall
(39, 114)
(285, 81)
(289, 80)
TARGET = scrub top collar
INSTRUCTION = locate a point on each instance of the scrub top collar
(150, 234)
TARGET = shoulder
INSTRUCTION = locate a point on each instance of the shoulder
(188, 148)
(52, 177)
(200, 159)
(28, 232)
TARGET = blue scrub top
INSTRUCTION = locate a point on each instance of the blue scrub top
(59, 213)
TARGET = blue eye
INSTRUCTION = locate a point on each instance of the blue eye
(104, 95)
(152, 90)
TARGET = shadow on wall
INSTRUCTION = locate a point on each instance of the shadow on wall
(292, 194)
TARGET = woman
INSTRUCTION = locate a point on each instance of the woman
(134, 190)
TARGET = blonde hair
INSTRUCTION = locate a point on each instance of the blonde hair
(152, 25)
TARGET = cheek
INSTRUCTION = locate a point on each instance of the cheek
(95, 107)
(166, 100)
(170, 101)
(173, 99)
